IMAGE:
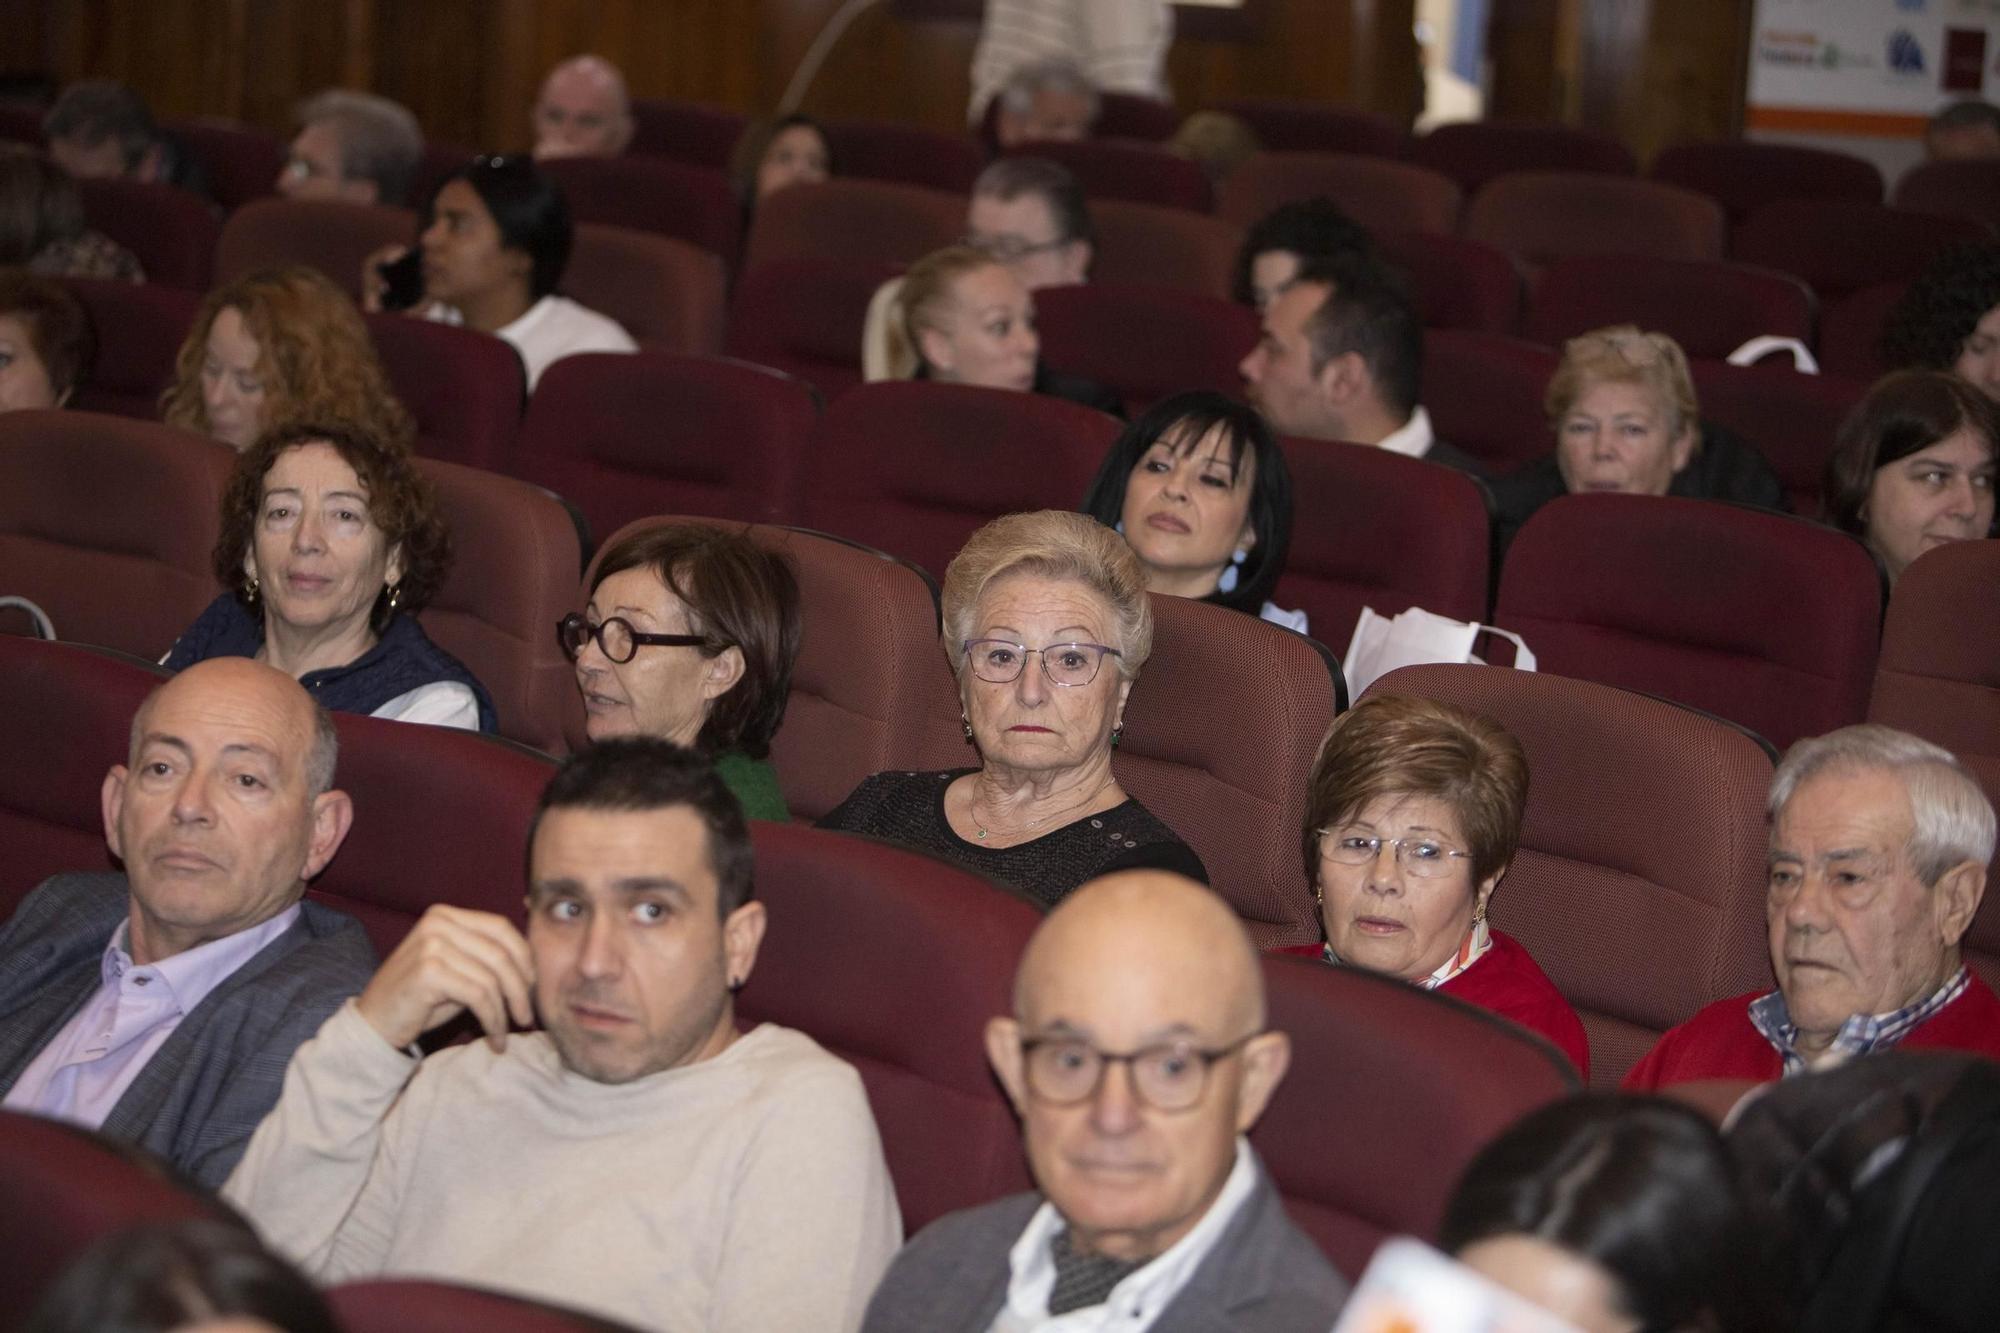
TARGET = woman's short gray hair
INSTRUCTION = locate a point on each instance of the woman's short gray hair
(1954, 820)
(1053, 544)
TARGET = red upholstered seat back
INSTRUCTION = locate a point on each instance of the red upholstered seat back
(514, 566)
(1171, 246)
(1639, 882)
(874, 221)
(1850, 331)
(108, 524)
(1473, 152)
(656, 433)
(1939, 676)
(1790, 417)
(1967, 188)
(1144, 341)
(665, 292)
(685, 131)
(412, 1305)
(1744, 176)
(139, 328)
(652, 194)
(914, 468)
(1484, 394)
(1144, 173)
(1840, 247)
(1458, 283)
(1382, 531)
(240, 161)
(1543, 216)
(1135, 116)
(1390, 1093)
(911, 154)
(1378, 192)
(62, 1189)
(1710, 308)
(806, 317)
(894, 962)
(334, 238)
(1313, 127)
(171, 232)
(65, 720)
(464, 388)
(1760, 618)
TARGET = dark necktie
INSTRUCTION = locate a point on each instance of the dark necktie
(1083, 1280)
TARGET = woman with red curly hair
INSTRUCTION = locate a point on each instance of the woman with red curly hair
(331, 543)
(275, 348)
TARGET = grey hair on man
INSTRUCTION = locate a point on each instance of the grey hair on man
(380, 140)
(1954, 822)
(1018, 93)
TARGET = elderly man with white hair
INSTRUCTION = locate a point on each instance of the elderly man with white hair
(1879, 847)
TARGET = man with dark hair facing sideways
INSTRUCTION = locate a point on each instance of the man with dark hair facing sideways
(637, 1157)
(161, 1005)
(1341, 357)
(1137, 1058)
(1879, 848)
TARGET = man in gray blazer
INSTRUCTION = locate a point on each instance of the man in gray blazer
(1137, 1059)
(162, 1005)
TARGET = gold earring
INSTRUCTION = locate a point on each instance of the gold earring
(251, 590)
(395, 595)
(965, 722)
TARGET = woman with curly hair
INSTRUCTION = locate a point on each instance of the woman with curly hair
(1949, 318)
(276, 348)
(331, 543)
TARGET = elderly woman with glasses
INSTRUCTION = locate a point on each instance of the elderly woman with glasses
(1046, 624)
(1623, 409)
(689, 636)
(1412, 816)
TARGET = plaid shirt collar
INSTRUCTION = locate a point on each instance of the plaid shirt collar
(1862, 1034)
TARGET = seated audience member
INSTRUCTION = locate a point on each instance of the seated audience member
(1949, 318)
(791, 150)
(1913, 465)
(353, 147)
(1217, 142)
(100, 129)
(583, 110)
(1341, 357)
(1413, 812)
(960, 316)
(160, 1005)
(495, 244)
(1116, 45)
(1043, 812)
(46, 342)
(1029, 213)
(1047, 101)
(1151, 1210)
(1965, 129)
(1617, 1213)
(1306, 233)
(1199, 488)
(331, 542)
(676, 1174)
(1623, 409)
(1879, 848)
(690, 635)
(275, 348)
(193, 1276)
(42, 226)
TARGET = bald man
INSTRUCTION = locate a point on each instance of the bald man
(583, 110)
(1137, 1058)
(161, 1005)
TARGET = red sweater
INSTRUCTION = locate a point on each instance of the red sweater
(1508, 982)
(1721, 1042)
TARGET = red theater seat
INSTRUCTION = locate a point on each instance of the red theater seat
(655, 195)
(1473, 152)
(1709, 307)
(1763, 619)
(170, 232)
(464, 388)
(1384, 531)
(515, 558)
(1142, 173)
(1170, 246)
(1484, 394)
(1312, 127)
(1963, 188)
(139, 327)
(1458, 283)
(413, 1305)
(666, 293)
(1132, 116)
(334, 238)
(1639, 883)
(1417, 1083)
(108, 524)
(1839, 248)
(911, 154)
(439, 163)
(921, 933)
(240, 161)
(1381, 194)
(870, 221)
(1743, 176)
(685, 131)
(806, 317)
(1144, 341)
(1850, 331)
(1790, 418)
(1542, 216)
(626, 436)
(914, 467)
(1939, 676)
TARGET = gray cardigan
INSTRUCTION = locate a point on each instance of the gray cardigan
(201, 1096)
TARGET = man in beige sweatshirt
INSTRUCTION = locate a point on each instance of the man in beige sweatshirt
(636, 1157)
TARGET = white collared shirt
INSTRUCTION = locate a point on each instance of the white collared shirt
(1135, 1303)
(1412, 439)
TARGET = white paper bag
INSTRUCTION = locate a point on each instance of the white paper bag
(1412, 638)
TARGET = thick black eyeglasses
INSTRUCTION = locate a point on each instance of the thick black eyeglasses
(1169, 1077)
(616, 638)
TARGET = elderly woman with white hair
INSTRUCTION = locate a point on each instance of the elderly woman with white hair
(1043, 811)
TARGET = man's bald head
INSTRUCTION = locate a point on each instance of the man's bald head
(583, 110)
(263, 687)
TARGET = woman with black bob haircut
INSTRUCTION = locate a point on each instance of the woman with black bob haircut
(165, 1277)
(1949, 318)
(1200, 490)
(495, 242)
(1619, 1214)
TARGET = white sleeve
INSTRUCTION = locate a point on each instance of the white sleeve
(1278, 615)
(442, 703)
(318, 1180)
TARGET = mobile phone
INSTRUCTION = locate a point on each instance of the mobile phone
(404, 278)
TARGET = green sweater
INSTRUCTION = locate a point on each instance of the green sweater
(755, 784)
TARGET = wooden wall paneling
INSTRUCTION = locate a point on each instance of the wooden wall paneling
(1697, 66)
